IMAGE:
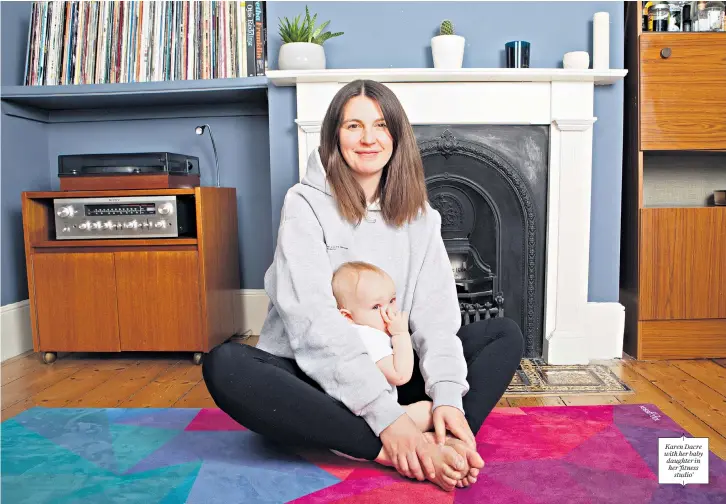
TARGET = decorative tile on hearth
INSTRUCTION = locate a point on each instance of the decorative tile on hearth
(581, 377)
(534, 377)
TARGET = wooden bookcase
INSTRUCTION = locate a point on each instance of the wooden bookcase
(114, 295)
(673, 247)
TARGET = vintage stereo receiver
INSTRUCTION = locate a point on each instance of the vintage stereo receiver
(123, 217)
(144, 170)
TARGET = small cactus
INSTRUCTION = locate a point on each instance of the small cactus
(447, 28)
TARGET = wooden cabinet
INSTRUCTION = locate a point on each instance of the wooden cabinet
(682, 91)
(118, 295)
(683, 257)
(673, 240)
(75, 298)
(158, 300)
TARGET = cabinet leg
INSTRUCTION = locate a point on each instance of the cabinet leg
(197, 358)
(49, 357)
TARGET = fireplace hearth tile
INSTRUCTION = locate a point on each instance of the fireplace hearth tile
(535, 377)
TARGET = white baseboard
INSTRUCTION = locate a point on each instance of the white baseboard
(606, 329)
(252, 309)
(16, 336)
(597, 335)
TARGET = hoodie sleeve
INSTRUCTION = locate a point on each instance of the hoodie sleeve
(435, 319)
(324, 343)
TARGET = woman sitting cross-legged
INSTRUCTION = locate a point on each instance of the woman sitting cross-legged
(311, 380)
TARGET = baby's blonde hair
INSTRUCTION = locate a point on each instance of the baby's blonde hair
(347, 276)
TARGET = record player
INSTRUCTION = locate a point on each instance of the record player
(146, 170)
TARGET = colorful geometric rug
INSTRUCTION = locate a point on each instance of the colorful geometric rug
(535, 377)
(534, 455)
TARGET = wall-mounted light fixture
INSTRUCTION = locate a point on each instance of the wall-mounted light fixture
(199, 131)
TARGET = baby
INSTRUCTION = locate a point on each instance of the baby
(366, 295)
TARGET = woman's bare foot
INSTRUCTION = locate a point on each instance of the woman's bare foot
(472, 457)
(449, 466)
(420, 413)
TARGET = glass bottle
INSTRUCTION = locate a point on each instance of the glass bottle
(658, 16)
(686, 18)
(674, 19)
(715, 15)
(710, 16)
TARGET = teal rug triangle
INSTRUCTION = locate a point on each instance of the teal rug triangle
(82, 431)
(149, 486)
(181, 492)
(132, 443)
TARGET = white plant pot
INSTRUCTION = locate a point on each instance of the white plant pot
(448, 51)
(301, 56)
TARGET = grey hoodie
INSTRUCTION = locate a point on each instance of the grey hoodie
(304, 323)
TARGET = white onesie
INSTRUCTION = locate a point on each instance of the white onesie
(378, 344)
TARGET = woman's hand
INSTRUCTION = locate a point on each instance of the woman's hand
(451, 418)
(404, 444)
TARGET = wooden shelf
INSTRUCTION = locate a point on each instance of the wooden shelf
(683, 34)
(131, 242)
(138, 94)
(715, 208)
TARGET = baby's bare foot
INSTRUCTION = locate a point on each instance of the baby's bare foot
(450, 467)
(420, 413)
(473, 459)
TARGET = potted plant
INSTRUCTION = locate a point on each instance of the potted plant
(302, 47)
(447, 48)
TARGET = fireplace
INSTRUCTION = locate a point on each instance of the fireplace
(489, 183)
(508, 161)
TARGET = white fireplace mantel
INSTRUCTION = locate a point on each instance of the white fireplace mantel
(342, 75)
(576, 331)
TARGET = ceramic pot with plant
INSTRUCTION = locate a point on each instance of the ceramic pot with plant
(447, 48)
(302, 47)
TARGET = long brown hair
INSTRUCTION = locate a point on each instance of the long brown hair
(402, 189)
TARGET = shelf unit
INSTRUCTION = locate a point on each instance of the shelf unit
(136, 94)
(39, 102)
(673, 246)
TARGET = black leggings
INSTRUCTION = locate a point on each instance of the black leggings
(271, 396)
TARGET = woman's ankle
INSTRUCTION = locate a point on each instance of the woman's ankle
(421, 414)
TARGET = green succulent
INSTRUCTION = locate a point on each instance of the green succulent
(295, 31)
(447, 28)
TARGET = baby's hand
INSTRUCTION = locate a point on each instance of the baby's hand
(396, 321)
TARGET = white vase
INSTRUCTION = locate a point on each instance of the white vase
(301, 56)
(579, 60)
(448, 51)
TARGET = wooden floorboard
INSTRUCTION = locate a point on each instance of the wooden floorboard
(696, 397)
(691, 392)
(646, 392)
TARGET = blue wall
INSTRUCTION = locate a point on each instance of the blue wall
(243, 164)
(377, 35)
(397, 34)
(24, 168)
(23, 162)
